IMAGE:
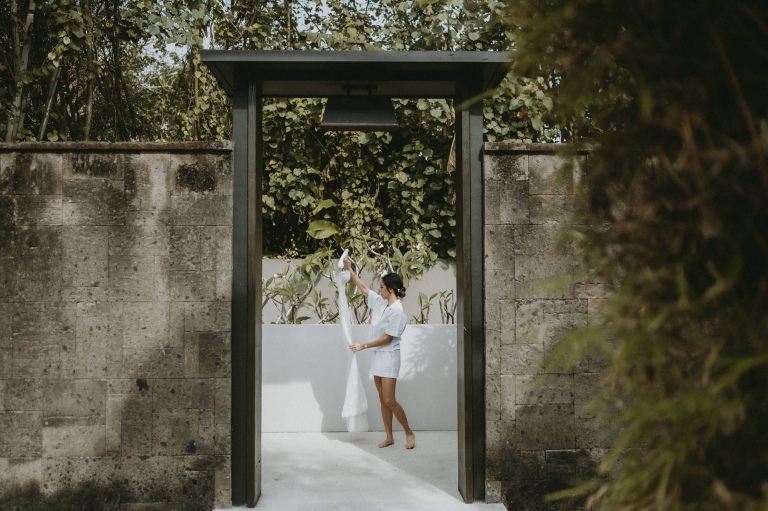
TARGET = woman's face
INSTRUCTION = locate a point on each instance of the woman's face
(383, 291)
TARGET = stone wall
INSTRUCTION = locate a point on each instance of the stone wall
(115, 288)
(537, 439)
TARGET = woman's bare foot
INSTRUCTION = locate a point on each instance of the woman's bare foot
(410, 440)
(386, 443)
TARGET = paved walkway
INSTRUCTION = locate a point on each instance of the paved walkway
(346, 471)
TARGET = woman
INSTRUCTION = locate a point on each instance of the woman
(387, 324)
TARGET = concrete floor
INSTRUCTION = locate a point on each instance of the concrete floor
(337, 471)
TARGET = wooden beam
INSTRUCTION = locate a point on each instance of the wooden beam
(469, 287)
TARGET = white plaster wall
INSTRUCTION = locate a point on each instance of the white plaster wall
(441, 277)
(305, 371)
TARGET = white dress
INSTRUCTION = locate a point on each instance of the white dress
(390, 320)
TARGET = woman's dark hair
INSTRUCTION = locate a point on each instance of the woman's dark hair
(393, 282)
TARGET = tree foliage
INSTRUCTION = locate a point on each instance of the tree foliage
(106, 68)
(676, 204)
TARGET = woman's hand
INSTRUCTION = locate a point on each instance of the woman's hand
(357, 347)
(348, 265)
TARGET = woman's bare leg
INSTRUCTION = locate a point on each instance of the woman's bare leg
(386, 415)
(388, 392)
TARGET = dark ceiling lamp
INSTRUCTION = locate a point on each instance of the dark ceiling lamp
(359, 112)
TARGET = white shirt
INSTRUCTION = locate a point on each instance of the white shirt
(386, 320)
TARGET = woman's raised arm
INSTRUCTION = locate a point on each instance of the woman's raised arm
(358, 282)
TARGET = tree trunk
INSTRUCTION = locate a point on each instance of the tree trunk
(89, 51)
(49, 103)
(21, 60)
(289, 42)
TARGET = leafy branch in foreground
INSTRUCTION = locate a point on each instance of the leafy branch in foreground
(673, 235)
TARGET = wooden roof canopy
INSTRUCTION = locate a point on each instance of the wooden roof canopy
(402, 74)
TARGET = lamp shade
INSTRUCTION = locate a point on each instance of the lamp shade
(359, 113)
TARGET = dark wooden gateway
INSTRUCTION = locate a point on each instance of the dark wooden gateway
(249, 76)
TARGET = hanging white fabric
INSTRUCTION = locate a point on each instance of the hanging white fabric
(355, 402)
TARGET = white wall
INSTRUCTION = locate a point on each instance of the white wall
(437, 278)
(305, 371)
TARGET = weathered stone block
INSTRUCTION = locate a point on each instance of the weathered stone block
(223, 401)
(499, 435)
(529, 322)
(6, 361)
(194, 175)
(173, 393)
(206, 432)
(84, 257)
(21, 395)
(176, 324)
(492, 398)
(38, 210)
(222, 241)
(175, 432)
(223, 438)
(506, 202)
(214, 354)
(38, 279)
(224, 285)
(162, 279)
(93, 202)
(208, 248)
(499, 247)
(522, 359)
(505, 167)
(551, 426)
(98, 348)
(542, 276)
(561, 463)
(19, 472)
(75, 398)
(30, 174)
(113, 426)
(201, 210)
(492, 351)
(6, 323)
(38, 241)
(198, 490)
(500, 284)
(544, 389)
(492, 492)
(8, 210)
(223, 483)
(552, 175)
(508, 392)
(22, 434)
(63, 473)
(185, 248)
(73, 437)
(207, 316)
(9, 278)
(519, 465)
(153, 506)
(142, 240)
(131, 279)
(153, 363)
(37, 355)
(136, 437)
(152, 479)
(538, 239)
(75, 295)
(590, 434)
(145, 325)
(551, 209)
(89, 166)
(192, 286)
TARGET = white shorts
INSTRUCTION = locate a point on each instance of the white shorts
(385, 364)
